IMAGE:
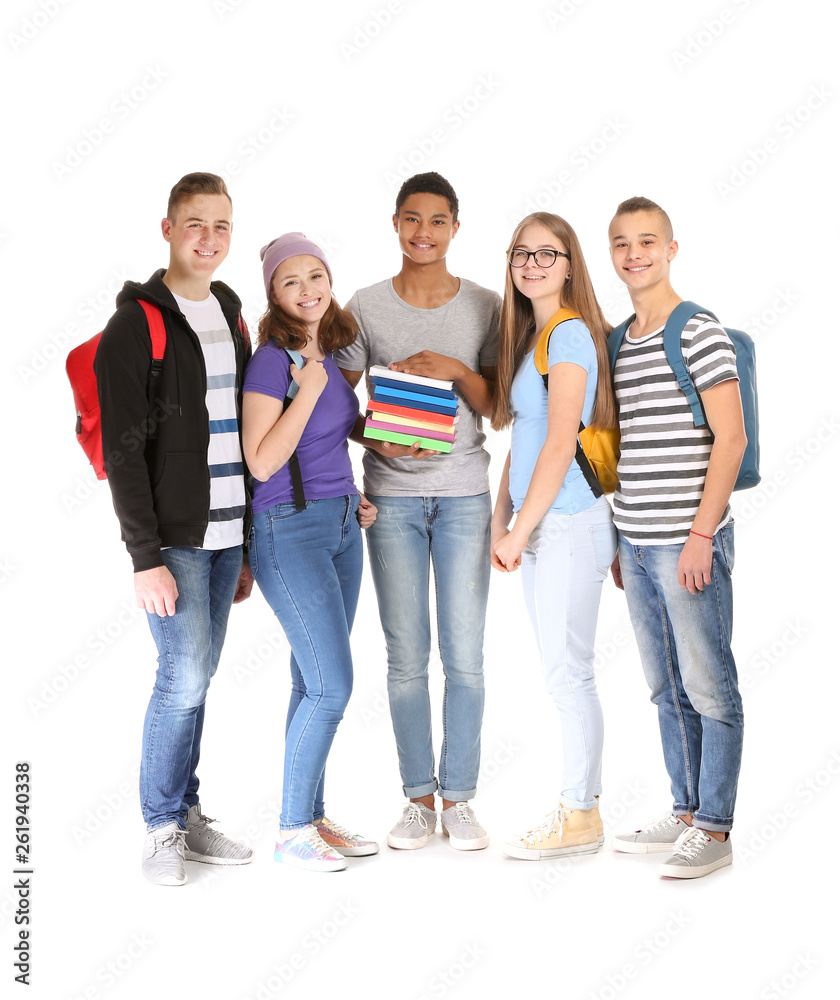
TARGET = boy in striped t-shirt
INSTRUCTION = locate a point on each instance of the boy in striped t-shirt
(676, 543)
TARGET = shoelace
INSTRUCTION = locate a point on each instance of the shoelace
(462, 812)
(669, 819)
(541, 832)
(414, 815)
(314, 840)
(692, 845)
(170, 839)
(336, 829)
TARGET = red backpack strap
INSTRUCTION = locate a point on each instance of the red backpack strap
(157, 331)
(243, 329)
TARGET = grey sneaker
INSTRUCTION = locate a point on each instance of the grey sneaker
(658, 837)
(697, 854)
(465, 833)
(414, 829)
(163, 855)
(203, 843)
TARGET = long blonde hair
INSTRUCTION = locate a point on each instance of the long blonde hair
(517, 324)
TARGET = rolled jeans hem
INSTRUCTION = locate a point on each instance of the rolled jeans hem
(683, 810)
(583, 805)
(418, 791)
(457, 796)
(715, 825)
(159, 826)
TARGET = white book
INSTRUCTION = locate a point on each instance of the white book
(379, 371)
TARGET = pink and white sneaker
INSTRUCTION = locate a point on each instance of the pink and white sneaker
(307, 850)
(348, 844)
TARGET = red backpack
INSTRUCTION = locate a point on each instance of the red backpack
(86, 395)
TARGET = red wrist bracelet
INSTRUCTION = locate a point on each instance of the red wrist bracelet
(691, 531)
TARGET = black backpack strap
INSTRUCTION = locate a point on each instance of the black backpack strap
(294, 464)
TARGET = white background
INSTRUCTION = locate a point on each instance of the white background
(105, 106)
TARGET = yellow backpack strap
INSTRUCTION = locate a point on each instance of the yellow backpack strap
(541, 351)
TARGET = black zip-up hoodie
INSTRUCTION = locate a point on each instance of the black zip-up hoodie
(155, 441)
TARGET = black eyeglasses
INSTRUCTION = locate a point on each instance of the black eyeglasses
(542, 258)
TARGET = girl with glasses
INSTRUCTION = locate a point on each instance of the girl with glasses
(563, 536)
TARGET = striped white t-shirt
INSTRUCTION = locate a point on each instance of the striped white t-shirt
(224, 456)
(664, 457)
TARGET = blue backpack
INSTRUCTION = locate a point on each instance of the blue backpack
(748, 474)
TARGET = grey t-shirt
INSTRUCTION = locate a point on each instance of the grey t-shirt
(466, 328)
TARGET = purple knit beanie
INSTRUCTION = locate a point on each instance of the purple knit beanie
(288, 245)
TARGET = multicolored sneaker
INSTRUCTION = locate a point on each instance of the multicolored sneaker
(349, 845)
(563, 832)
(306, 849)
(203, 843)
(658, 837)
(465, 833)
(163, 855)
(697, 854)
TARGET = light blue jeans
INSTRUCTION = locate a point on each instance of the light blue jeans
(564, 566)
(308, 565)
(685, 645)
(453, 533)
(189, 644)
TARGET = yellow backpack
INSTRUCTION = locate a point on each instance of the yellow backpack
(597, 450)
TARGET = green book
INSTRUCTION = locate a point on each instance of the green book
(407, 439)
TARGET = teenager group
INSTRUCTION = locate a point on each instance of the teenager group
(200, 532)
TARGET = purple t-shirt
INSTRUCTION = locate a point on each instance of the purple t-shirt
(322, 450)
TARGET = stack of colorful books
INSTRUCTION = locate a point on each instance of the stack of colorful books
(408, 408)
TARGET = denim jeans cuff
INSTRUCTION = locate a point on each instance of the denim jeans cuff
(176, 819)
(713, 824)
(582, 804)
(452, 796)
(681, 809)
(418, 791)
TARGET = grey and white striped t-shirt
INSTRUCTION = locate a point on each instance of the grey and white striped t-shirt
(664, 457)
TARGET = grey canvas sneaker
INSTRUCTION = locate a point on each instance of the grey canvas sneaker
(658, 837)
(465, 833)
(203, 843)
(414, 829)
(163, 855)
(697, 854)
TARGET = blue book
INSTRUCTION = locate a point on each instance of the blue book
(415, 400)
(426, 390)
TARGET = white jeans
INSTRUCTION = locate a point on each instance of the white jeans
(563, 567)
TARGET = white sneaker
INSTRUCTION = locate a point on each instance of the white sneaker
(465, 833)
(163, 855)
(414, 829)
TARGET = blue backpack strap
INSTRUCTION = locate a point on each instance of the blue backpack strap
(616, 338)
(294, 464)
(673, 352)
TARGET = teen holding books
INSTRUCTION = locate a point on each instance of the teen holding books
(563, 537)
(432, 512)
(306, 558)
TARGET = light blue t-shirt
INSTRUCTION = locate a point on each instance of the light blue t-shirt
(570, 342)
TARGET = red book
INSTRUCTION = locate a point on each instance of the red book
(406, 411)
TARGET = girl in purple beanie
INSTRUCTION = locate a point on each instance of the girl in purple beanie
(305, 543)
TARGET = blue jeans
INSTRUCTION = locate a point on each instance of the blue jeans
(564, 566)
(308, 565)
(189, 644)
(454, 533)
(685, 645)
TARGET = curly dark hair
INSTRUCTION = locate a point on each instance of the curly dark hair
(428, 183)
